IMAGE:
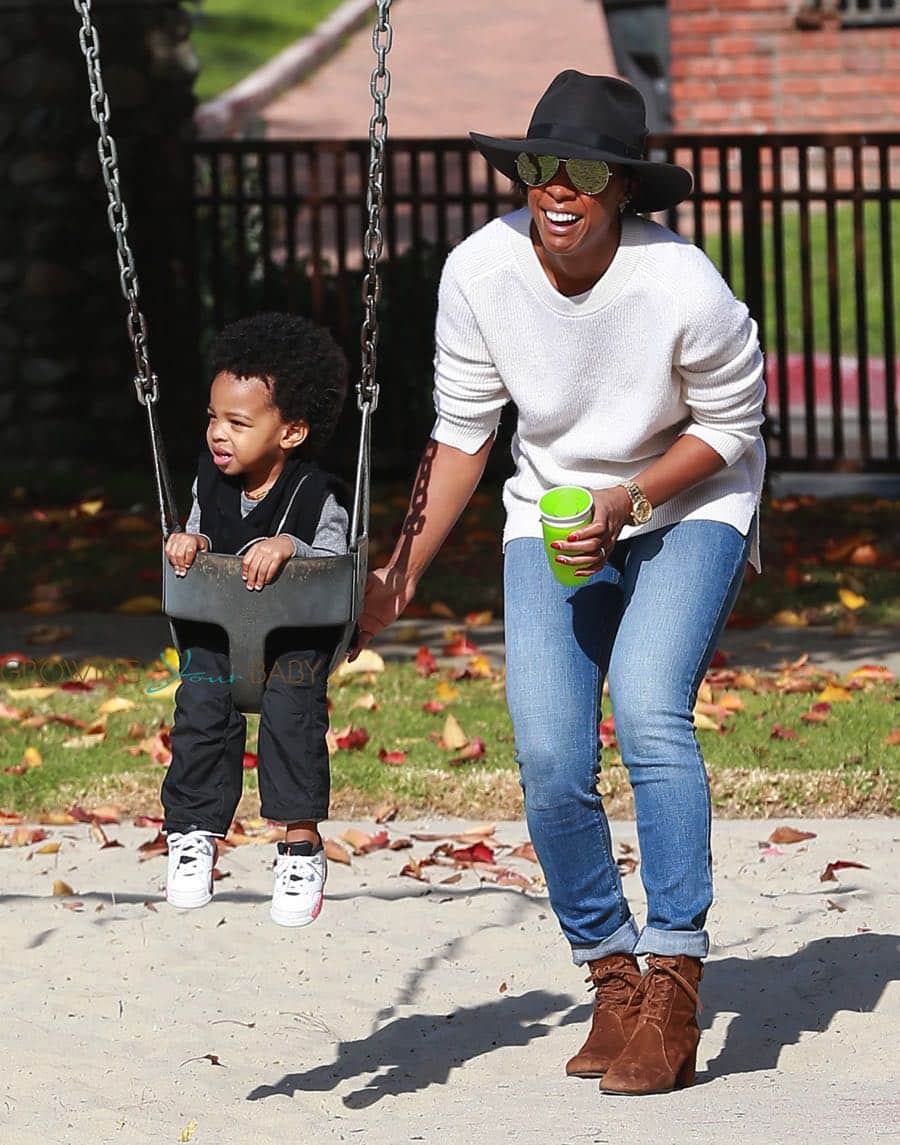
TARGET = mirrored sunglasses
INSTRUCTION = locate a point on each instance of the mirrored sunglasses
(587, 175)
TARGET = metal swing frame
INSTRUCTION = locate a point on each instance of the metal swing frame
(309, 592)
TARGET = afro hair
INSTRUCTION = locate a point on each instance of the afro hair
(301, 363)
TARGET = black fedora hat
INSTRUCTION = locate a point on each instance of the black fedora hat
(593, 117)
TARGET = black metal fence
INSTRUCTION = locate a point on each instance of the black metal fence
(806, 228)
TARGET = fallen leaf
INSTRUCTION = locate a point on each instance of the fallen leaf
(438, 608)
(834, 694)
(147, 821)
(61, 889)
(73, 904)
(790, 835)
(473, 750)
(828, 876)
(452, 879)
(703, 723)
(140, 605)
(864, 556)
(400, 844)
(158, 845)
(85, 741)
(851, 600)
(335, 852)
(413, 870)
(187, 1134)
(477, 853)
(367, 702)
(479, 619)
(433, 707)
(31, 757)
(250, 760)
(893, 737)
(872, 672)
(460, 645)
(392, 758)
(445, 692)
(425, 663)
(453, 737)
(788, 618)
(57, 819)
(386, 812)
(367, 661)
(627, 865)
(116, 704)
(525, 851)
(352, 739)
(49, 848)
(818, 713)
(781, 732)
(832, 905)
(606, 732)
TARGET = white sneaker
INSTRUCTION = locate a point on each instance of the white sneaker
(299, 886)
(189, 878)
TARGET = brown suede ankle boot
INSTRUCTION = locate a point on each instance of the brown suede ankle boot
(614, 980)
(662, 1051)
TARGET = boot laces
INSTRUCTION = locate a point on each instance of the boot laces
(614, 983)
(657, 987)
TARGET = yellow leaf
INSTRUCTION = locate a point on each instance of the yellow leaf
(87, 672)
(48, 848)
(31, 757)
(35, 693)
(788, 618)
(366, 661)
(732, 701)
(139, 605)
(438, 608)
(91, 508)
(189, 1130)
(116, 704)
(453, 737)
(445, 692)
(171, 659)
(705, 693)
(872, 672)
(704, 723)
(61, 889)
(850, 599)
(834, 693)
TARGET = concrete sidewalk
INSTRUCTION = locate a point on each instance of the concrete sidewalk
(141, 638)
(456, 66)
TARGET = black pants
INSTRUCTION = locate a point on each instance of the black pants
(203, 785)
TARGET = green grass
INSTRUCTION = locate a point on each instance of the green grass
(843, 765)
(844, 302)
(234, 37)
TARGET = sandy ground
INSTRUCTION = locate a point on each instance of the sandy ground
(432, 1012)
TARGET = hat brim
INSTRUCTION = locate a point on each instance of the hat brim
(660, 185)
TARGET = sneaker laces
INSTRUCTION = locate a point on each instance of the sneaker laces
(193, 847)
(293, 869)
(657, 987)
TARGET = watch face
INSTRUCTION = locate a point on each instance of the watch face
(643, 511)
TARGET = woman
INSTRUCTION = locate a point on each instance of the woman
(635, 373)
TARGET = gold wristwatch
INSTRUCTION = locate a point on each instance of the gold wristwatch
(641, 509)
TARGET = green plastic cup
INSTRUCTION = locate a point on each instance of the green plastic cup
(563, 509)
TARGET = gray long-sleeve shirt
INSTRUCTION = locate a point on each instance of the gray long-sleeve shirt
(331, 532)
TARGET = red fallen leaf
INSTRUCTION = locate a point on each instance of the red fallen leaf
(335, 852)
(477, 853)
(719, 660)
(893, 737)
(158, 845)
(27, 836)
(790, 835)
(218, 875)
(352, 739)
(425, 663)
(864, 555)
(872, 672)
(460, 645)
(478, 619)
(77, 686)
(392, 758)
(817, 714)
(827, 876)
(16, 769)
(399, 844)
(452, 879)
(433, 707)
(147, 821)
(474, 749)
(606, 731)
(249, 760)
(627, 865)
(524, 851)
(377, 842)
(9, 818)
(780, 732)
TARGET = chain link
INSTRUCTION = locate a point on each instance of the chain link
(380, 86)
(145, 383)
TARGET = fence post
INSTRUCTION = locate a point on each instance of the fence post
(751, 232)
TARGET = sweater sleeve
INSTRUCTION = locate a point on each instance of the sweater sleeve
(469, 394)
(192, 525)
(331, 532)
(721, 366)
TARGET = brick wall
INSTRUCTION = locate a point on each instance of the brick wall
(744, 65)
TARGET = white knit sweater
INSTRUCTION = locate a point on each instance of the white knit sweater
(604, 381)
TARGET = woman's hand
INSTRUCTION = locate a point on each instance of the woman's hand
(588, 547)
(388, 592)
(182, 548)
(263, 561)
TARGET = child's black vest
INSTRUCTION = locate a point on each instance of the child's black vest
(293, 505)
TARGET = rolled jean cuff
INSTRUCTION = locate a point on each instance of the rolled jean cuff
(694, 943)
(620, 941)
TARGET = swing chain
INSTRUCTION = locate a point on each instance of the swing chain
(380, 86)
(146, 383)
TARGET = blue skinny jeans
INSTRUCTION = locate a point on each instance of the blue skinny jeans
(649, 622)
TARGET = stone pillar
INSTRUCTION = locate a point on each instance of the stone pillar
(66, 397)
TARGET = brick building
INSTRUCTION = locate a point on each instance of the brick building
(784, 65)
